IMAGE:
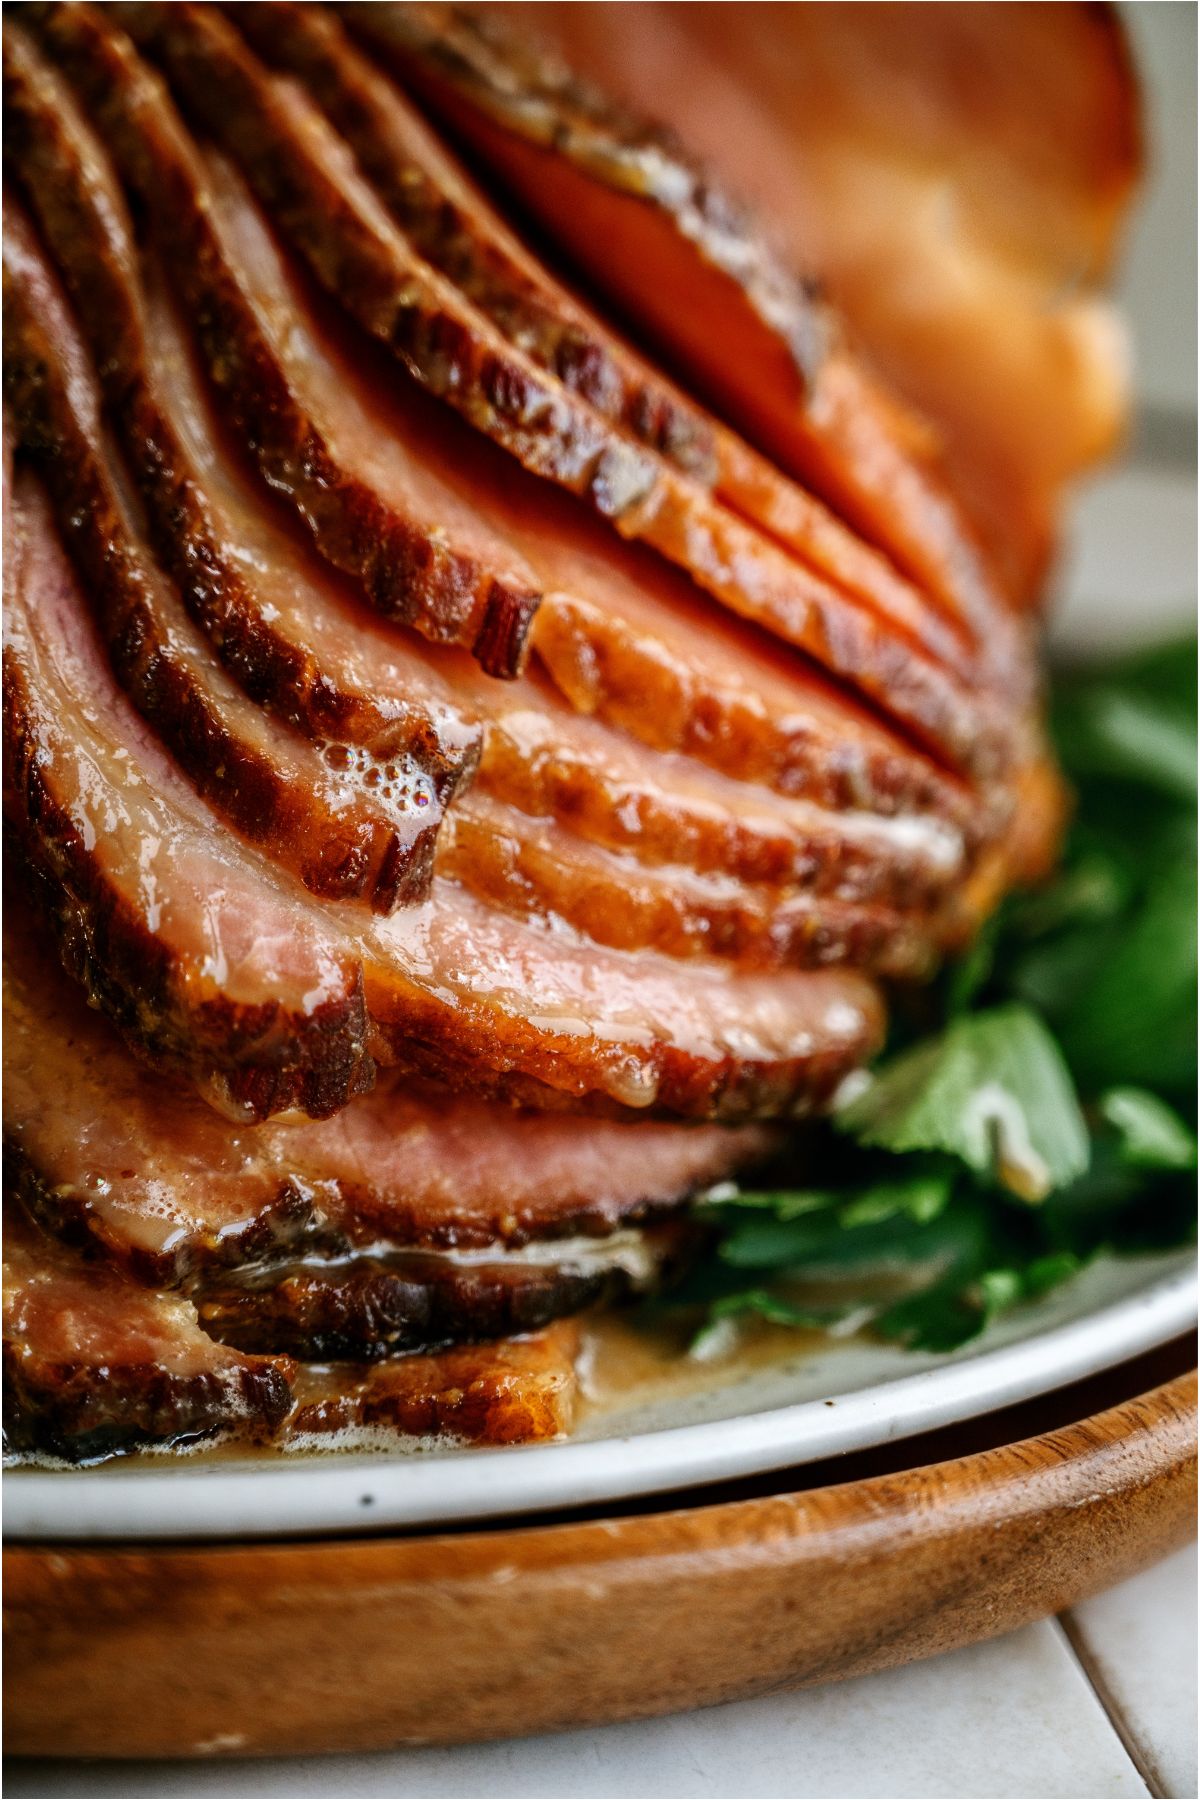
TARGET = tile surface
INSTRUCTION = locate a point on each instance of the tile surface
(1138, 1645)
(1013, 1717)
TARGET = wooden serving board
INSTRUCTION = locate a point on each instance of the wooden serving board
(371, 1642)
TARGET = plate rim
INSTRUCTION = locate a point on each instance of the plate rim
(309, 1498)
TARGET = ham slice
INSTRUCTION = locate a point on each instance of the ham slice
(450, 989)
(655, 234)
(344, 828)
(388, 1303)
(533, 867)
(295, 640)
(662, 807)
(419, 546)
(142, 1168)
(896, 650)
(450, 221)
(517, 1392)
(964, 227)
(621, 638)
(190, 943)
(285, 626)
(95, 1365)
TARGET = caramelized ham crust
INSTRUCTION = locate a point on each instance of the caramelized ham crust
(897, 649)
(342, 832)
(360, 1005)
(450, 221)
(262, 603)
(420, 547)
(191, 945)
(388, 1303)
(963, 226)
(530, 866)
(514, 1392)
(181, 952)
(94, 1365)
(619, 639)
(284, 624)
(656, 235)
(554, 763)
(139, 1165)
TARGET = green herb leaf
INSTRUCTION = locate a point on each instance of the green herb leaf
(778, 1311)
(1132, 720)
(1133, 1019)
(992, 1089)
(1151, 1133)
(921, 1178)
(789, 1203)
(1116, 731)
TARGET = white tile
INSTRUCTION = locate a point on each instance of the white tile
(1012, 1718)
(1138, 1642)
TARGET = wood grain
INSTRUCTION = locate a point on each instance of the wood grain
(368, 1643)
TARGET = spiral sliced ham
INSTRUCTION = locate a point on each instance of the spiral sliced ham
(964, 226)
(479, 795)
(450, 989)
(897, 649)
(348, 827)
(692, 270)
(619, 638)
(285, 626)
(144, 1169)
(95, 1365)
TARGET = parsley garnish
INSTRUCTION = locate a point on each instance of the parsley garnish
(1049, 1111)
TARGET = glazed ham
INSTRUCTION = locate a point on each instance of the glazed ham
(466, 796)
(965, 227)
(341, 835)
(183, 931)
(288, 630)
(95, 1365)
(147, 1171)
(695, 273)
(305, 179)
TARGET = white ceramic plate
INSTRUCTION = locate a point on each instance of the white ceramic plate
(841, 1396)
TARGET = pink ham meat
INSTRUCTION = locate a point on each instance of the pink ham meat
(284, 624)
(462, 798)
(344, 828)
(201, 954)
(144, 1169)
(192, 963)
(382, 1304)
(419, 545)
(448, 218)
(296, 641)
(664, 808)
(94, 1365)
(620, 638)
(519, 1392)
(531, 867)
(257, 606)
(897, 649)
(657, 236)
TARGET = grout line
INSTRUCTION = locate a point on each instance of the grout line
(1077, 1644)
